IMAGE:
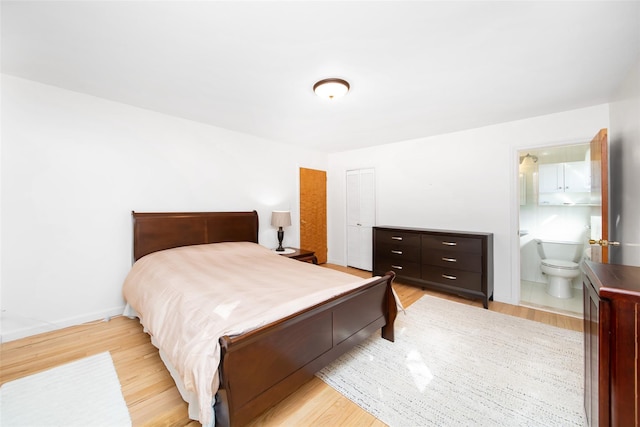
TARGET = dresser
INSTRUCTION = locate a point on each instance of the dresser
(458, 262)
(611, 349)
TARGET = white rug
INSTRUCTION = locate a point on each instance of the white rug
(82, 393)
(458, 365)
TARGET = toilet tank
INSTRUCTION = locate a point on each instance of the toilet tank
(568, 251)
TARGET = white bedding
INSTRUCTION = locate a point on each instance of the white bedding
(188, 297)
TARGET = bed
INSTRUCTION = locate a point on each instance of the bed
(256, 366)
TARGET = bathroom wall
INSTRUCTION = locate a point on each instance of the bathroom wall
(559, 223)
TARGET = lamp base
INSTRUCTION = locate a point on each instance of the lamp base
(287, 251)
(280, 237)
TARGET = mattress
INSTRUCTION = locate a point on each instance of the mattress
(189, 297)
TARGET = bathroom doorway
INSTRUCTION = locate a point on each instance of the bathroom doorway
(555, 207)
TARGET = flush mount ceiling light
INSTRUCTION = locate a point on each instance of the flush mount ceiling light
(331, 88)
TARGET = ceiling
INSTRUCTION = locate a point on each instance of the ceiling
(416, 68)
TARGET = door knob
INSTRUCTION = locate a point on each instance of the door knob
(603, 242)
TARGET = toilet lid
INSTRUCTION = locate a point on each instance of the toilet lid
(558, 263)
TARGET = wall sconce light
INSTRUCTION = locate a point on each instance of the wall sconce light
(331, 88)
(280, 219)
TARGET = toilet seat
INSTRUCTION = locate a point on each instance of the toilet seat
(561, 264)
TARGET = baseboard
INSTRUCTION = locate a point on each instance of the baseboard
(340, 262)
(17, 331)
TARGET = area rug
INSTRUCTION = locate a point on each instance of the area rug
(82, 393)
(456, 365)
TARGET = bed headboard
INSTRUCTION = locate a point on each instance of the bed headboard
(157, 231)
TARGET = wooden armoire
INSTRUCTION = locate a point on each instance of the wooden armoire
(611, 348)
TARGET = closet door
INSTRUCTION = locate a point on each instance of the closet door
(313, 212)
(360, 218)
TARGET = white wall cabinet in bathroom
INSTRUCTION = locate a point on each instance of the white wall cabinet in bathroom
(564, 183)
(570, 177)
(551, 178)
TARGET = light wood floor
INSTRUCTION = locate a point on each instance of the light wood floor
(151, 395)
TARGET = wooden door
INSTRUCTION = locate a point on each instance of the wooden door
(600, 190)
(313, 212)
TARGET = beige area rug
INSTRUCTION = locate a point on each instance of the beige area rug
(82, 393)
(458, 365)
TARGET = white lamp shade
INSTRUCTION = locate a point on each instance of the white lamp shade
(281, 218)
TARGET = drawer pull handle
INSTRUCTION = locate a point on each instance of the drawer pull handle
(446, 276)
(396, 238)
(449, 259)
(397, 267)
(449, 243)
(397, 252)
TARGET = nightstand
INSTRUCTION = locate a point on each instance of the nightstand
(301, 255)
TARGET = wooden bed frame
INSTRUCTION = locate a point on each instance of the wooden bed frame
(260, 368)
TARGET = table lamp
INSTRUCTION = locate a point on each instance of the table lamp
(280, 219)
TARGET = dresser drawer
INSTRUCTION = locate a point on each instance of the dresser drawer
(452, 277)
(454, 243)
(397, 238)
(453, 259)
(394, 251)
(408, 269)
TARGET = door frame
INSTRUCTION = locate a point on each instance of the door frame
(514, 228)
(600, 168)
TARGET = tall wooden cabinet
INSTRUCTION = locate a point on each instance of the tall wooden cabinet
(459, 262)
(611, 347)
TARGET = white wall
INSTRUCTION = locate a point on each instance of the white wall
(73, 169)
(624, 170)
(459, 181)
(74, 166)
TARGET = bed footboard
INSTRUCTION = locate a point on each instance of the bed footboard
(260, 368)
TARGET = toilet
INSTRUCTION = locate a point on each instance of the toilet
(559, 263)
